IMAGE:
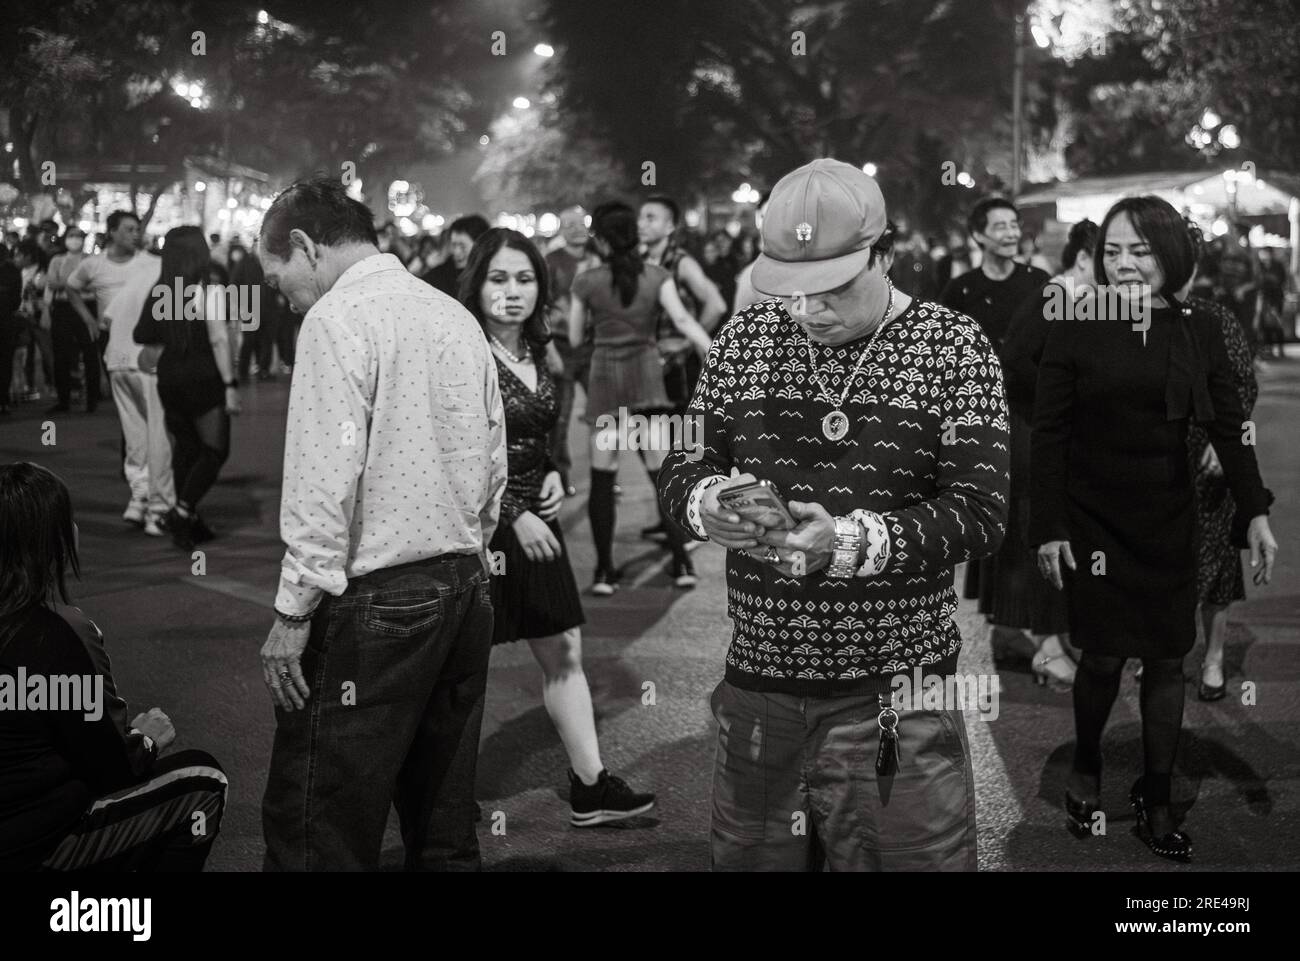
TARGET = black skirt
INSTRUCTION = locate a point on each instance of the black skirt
(1013, 593)
(531, 598)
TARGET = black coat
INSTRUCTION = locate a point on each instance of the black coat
(1110, 471)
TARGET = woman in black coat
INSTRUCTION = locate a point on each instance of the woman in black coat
(1112, 506)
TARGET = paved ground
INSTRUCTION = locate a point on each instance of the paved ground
(189, 643)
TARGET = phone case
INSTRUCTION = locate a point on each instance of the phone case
(759, 502)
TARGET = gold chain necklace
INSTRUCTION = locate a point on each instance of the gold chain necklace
(835, 425)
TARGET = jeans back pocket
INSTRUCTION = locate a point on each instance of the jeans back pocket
(400, 617)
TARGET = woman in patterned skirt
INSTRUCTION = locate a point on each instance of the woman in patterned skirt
(535, 597)
(621, 299)
(1218, 561)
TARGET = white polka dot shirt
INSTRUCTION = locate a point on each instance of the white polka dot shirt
(395, 448)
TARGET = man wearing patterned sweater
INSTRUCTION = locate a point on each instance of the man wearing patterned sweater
(883, 419)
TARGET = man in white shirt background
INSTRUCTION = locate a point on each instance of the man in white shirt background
(100, 277)
(394, 467)
(148, 450)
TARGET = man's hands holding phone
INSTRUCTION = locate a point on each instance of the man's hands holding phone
(725, 526)
(813, 540)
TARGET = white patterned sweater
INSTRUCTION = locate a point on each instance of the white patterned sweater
(925, 459)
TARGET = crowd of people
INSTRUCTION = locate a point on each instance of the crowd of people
(920, 406)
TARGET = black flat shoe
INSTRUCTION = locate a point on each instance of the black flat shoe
(1174, 846)
(181, 529)
(199, 530)
(1079, 815)
(1207, 692)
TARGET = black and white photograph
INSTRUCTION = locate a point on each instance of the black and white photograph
(690, 436)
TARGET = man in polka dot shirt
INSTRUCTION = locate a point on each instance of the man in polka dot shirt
(394, 468)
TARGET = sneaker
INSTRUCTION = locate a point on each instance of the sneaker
(181, 529)
(604, 584)
(155, 525)
(609, 799)
(32, 395)
(655, 532)
(199, 528)
(134, 513)
(684, 574)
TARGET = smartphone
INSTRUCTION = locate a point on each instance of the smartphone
(759, 502)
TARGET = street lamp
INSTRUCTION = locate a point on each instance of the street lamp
(544, 50)
(522, 103)
(869, 169)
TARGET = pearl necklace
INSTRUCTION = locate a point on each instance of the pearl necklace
(521, 361)
(835, 425)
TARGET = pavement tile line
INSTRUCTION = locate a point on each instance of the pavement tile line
(231, 587)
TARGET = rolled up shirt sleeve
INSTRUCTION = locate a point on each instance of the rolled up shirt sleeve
(325, 452)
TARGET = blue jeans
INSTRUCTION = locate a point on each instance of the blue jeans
(397, 667)
(795, 787)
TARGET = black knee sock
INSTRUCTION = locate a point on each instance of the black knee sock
(1096, 685)
(676, 541)
(1162, 723)
(600, 511)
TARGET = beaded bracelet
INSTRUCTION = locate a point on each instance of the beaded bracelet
(295, 618)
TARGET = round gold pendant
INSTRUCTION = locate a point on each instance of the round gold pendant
(835, 425)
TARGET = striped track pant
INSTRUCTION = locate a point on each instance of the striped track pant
(167, 823)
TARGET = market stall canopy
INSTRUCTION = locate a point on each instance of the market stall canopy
(1258, 192)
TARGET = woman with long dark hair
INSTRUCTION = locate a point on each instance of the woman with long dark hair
(621, 299)
(535, 597)
(1112, 505)
(186, 316)
(1018, 597)
(63, 767)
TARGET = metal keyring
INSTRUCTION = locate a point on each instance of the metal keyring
(772, 556)
(880, 719)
